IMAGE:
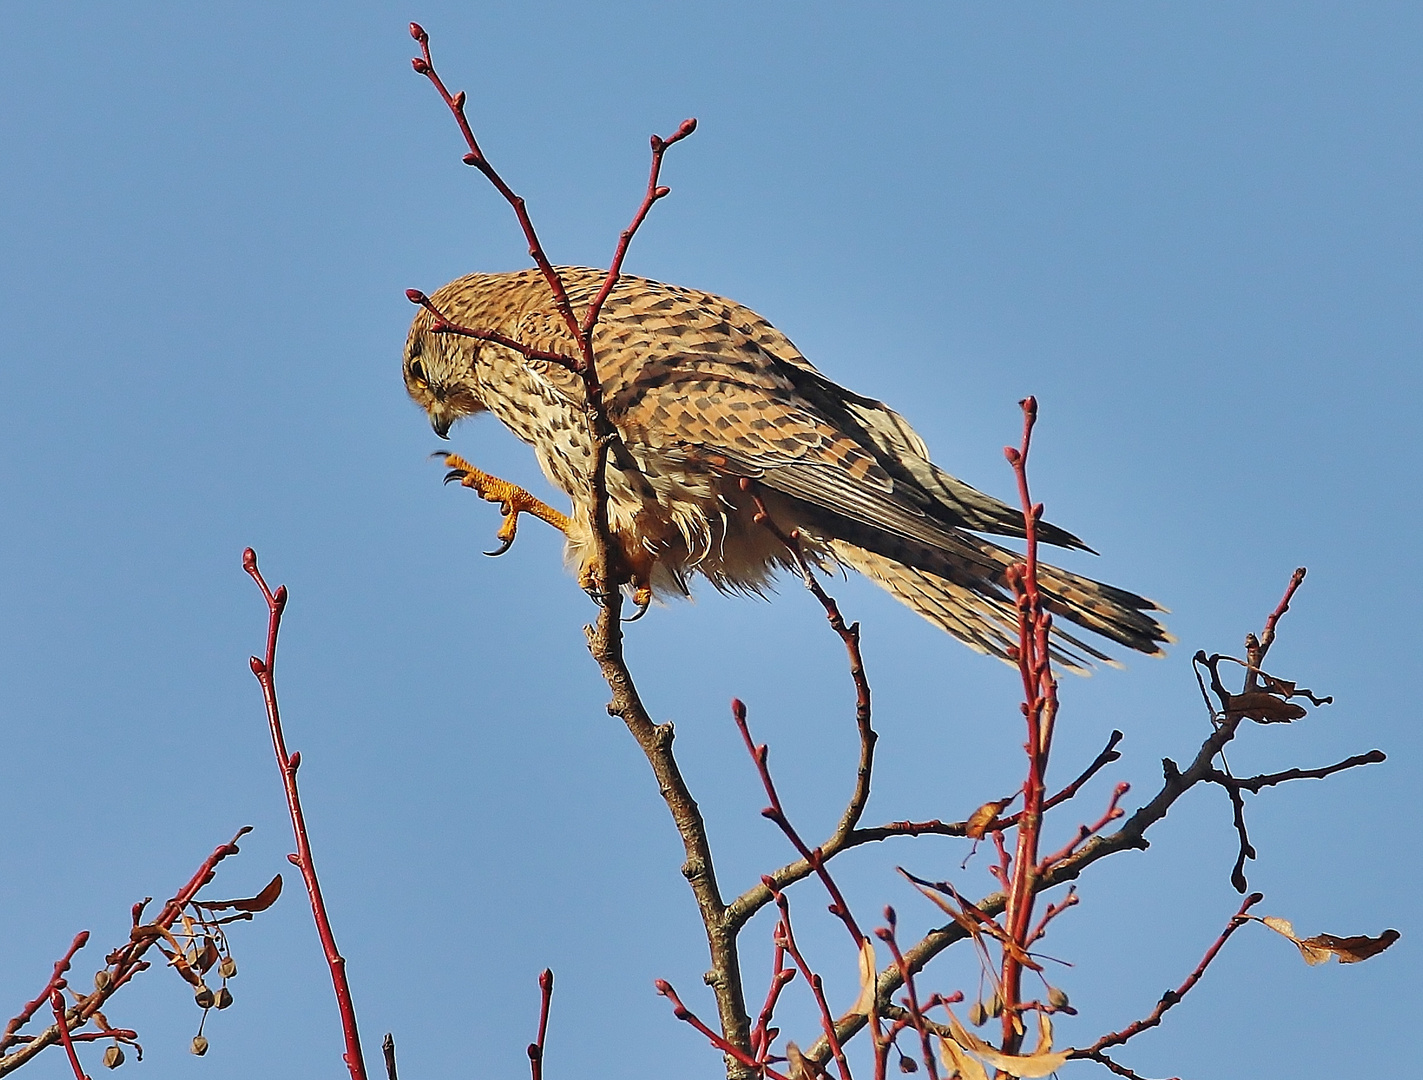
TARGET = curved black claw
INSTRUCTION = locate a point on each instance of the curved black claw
(504, 545)
(641, 608)
(455, 474)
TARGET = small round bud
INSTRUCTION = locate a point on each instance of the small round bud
(101, 980)
(421, 68)
(200, 1045)
(418, 33)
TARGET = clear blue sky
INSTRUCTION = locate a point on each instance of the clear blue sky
(1192, 232)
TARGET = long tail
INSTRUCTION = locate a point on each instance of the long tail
(978, 609)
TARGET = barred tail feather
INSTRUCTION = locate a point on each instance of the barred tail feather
(981, 613)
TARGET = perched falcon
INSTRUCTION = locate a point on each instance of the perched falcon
(705, 392)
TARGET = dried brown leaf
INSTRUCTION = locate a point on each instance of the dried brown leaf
(959, 1063)
(1318, 949)
(983, 817)
(1264, 708)
(1041, 1062)
(261, 902)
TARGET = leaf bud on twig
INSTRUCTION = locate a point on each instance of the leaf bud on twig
(420, 66)
(418, 33)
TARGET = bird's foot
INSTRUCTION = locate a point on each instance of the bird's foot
(631, 568)
(512, 499)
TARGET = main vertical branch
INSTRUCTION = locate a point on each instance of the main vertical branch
(1039, 711)
(605, 636)
(263, 668)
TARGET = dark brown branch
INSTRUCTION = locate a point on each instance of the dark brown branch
(1253, 784)
(387, 1048)
(1171, 997)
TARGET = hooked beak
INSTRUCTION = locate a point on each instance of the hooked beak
(441, 424)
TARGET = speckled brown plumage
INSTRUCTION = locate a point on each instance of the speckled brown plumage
(705, 392)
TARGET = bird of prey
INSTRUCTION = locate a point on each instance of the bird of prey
(706, 394)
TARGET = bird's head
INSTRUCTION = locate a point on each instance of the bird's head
(439, 374)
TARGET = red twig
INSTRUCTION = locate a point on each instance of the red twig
(56, 1002)
(536, 1048)
(1084, 832)
(302, 859)
(1171, 997)
(442, 325)
(838, 907)
(817, 985)
(654, 192)
(424, 65)
(126, 961)
(1108, 755)
(56, 981)
(916, 1015)
(681, 1012)
(1040, 711)
(781, 977)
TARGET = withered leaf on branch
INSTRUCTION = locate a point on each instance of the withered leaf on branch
(984, 816)
(1040, 1061)
(1264, 707)
(261, 902)
(865, 1003)
(1318, 949)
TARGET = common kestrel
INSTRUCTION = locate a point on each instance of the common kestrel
(704, 392)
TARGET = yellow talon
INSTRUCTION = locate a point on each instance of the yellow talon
(512, 499)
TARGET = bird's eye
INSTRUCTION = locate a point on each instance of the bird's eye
(417, 371)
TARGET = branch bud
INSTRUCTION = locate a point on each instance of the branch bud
(689, 125)
(472, 159)
(662, 192)
(258, 668)
(546, 980)
(249, 560)
(420, 66)
(458, 102)
(418, 33)
(415, 296)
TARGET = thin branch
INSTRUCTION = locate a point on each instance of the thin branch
(387, 1047)
(424, 65)
(443, 325)
(536, 1048)
(681, 1012)
(1253, 784)
(56, 1002)
(1108, 755)
(1171, 997)
(302, 859)
(126, 961)
(654, 192)
(817, 985)
(56, 980)
(776, 813)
